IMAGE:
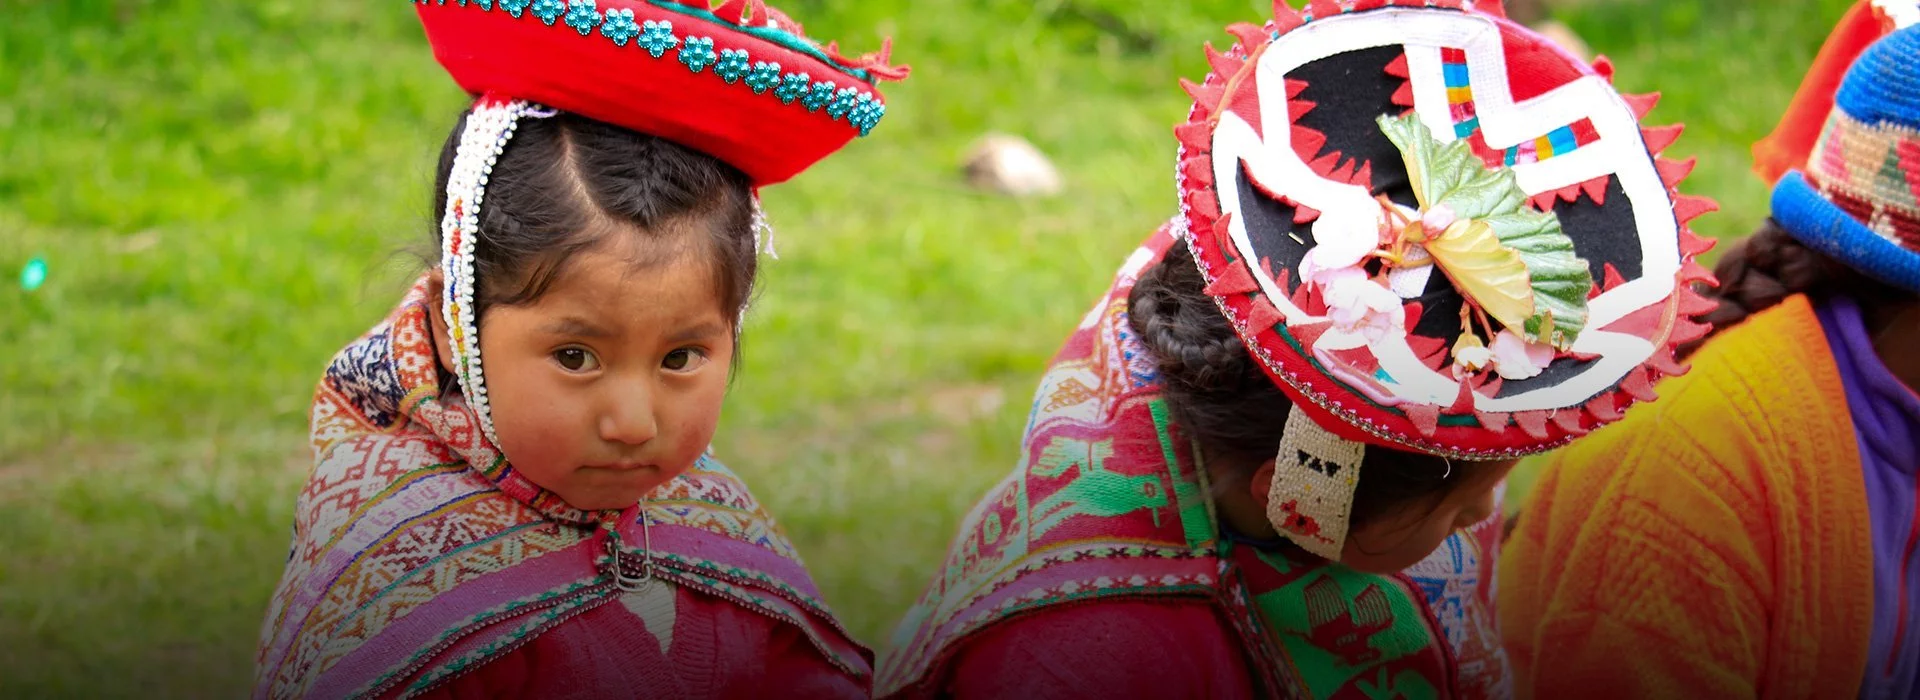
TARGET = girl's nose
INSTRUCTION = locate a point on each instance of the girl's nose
(629, 418)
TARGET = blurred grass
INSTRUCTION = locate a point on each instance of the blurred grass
(222, 192)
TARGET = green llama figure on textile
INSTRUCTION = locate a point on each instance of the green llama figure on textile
(1096, 491)
(1349, 632)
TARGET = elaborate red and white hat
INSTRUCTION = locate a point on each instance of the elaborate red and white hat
(1438, 232)
(739, 82)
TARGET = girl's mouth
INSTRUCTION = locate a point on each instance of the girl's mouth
(621, 466)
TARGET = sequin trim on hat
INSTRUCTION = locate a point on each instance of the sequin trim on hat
(859, 109)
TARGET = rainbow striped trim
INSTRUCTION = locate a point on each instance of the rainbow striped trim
(1466, 119)
(1453, 65)
(1560, 141)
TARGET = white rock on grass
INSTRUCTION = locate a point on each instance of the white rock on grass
(1009, 165)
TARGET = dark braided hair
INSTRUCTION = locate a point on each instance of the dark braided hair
(1220, 397)
(1771, 265)
(566, 182)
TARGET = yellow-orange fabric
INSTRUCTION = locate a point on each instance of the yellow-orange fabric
(1713, 544)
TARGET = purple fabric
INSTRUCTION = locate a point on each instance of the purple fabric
(1886, 417)
(426, 625)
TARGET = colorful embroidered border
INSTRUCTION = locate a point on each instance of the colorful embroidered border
(918, 649)
(844, 655)
(1900, 227)
(1466, 118)
(1453, 66)
(1877, 163)
(551, 605)
(1558, 142)
(858, 108)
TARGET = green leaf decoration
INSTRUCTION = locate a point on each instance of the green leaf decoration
(1450, 174)
(1489, 274)
(1561, 280)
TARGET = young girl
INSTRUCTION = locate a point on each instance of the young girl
(1754, 534)
(1416, 243)
(511, 494)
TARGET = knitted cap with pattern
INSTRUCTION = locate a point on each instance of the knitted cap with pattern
(1858, 198)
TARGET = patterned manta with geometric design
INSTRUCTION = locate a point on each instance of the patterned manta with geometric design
(1111, 501)
(419, 553)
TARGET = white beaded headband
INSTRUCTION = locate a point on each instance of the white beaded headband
(489, 127)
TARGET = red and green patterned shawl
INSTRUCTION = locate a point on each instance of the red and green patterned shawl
(420, 553)
(1108, 503)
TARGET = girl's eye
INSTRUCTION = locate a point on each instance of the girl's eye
(576, 360)
(683, 359)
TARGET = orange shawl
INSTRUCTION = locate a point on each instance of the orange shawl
(1714, 544)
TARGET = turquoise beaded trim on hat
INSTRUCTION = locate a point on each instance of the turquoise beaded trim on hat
(858, 108)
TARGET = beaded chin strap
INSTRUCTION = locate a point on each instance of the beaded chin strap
(762, 243)
(762, 231)
(1314, 477)
(489, 127)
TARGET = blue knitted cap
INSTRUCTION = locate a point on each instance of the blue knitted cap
(1883, 86)
(1858, 199)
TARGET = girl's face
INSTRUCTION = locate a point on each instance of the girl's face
(609, 384)
(1392, 544)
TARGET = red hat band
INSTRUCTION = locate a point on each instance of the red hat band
(738, 82)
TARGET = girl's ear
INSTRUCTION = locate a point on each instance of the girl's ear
(437, 318)
(1262, 485)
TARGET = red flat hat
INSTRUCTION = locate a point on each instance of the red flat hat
(739, 82)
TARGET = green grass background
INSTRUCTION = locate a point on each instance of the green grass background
(224, 191)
